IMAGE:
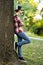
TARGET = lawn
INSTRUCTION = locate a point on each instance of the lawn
(33, 52)
(33, 35)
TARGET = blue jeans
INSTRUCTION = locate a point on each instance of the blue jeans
(21, 36)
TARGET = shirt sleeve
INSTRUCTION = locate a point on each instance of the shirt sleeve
(14, 18)
(20, 23)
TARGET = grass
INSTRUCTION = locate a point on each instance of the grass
(34, 35)
(33, 52)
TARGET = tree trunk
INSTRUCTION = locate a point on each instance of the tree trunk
(7, 53)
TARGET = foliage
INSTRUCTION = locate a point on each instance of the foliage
(30, 11)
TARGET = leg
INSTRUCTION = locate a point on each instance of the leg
(19, 47)
(23, 36)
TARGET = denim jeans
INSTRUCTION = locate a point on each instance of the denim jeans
(21, 36)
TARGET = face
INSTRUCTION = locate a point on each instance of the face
(20, 11)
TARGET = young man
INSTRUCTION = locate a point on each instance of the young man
(18, 24)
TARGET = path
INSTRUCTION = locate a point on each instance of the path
(36, 38)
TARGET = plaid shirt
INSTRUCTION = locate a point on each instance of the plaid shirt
(17, 24)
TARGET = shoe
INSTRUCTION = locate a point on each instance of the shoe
(16, 45)
(21, 58)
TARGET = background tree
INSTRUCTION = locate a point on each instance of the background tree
(33, 18)
(7, 53)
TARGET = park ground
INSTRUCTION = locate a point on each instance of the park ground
(33, 52)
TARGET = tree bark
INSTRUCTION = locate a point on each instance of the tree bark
(7, 53)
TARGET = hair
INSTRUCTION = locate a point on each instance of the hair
(17, 10)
